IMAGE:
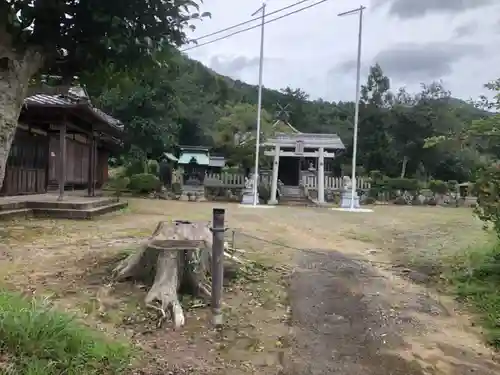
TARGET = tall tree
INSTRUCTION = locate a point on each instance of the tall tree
(145, 102)
(65, 37)
(234, 132)
(296, 100)
(374, 140)
(416, 118)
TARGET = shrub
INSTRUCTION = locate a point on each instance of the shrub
(406, 184)
(453, 186)
(118, 185)
(144, 183)
(378, 184)
(487, 190)
(475, 278)
(347, 170)
(376, 177)
(134, 167)
(153, 167)
(438, 186)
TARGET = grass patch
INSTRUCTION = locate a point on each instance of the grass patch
(476, 278)
(38, 340)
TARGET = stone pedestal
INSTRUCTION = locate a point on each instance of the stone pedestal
(247, 197)
(346, 197)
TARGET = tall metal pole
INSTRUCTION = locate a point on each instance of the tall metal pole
(358, 94)
(217, 265)
(259, 106)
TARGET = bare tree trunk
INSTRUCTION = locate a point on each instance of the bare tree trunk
(403, 167)
(177, 254)
(16, 71)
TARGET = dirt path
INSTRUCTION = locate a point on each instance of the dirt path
(350, 318)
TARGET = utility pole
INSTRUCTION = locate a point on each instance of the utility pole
(217, 265)
(358, 94)
(259, 106)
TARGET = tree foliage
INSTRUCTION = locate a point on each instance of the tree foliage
(78, 34)
(235, 131)
(218, 112)
(146, 103)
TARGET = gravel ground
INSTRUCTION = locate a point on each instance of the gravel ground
(344, 325)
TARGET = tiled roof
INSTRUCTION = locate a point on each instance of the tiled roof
(67, 101)
(309, 139)
(42, 99)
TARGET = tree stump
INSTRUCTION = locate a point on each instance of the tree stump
(177, 255)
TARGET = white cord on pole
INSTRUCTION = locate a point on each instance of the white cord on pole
(358, 97)
(250, 20)
(252, 27)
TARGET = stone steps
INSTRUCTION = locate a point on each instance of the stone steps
(20, 213)
(76, 209)
(79, 214)
(293, 196)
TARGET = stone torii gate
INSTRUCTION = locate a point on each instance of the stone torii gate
(302, 145)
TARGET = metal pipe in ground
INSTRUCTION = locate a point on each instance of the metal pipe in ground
(217, 265)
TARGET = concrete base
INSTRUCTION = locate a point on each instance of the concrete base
(248, 195)
(358, 210)
(346, 198)
(272, 203)
(48, 205)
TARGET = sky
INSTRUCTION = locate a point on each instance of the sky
(414, 41)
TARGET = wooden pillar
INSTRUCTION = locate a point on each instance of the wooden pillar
(321, 175)
(62, 161)
(91, 167)
(274, 181)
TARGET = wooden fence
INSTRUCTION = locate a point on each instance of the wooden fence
(335, 183)
(231, 180)
(237, 180)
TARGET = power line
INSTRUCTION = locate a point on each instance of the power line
(250, 20)
(253, 27)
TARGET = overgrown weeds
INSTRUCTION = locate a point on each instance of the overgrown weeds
(36, 340)
(475, 278)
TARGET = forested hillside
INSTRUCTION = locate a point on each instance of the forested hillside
(184, 102)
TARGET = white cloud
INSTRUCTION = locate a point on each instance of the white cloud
(311, 49)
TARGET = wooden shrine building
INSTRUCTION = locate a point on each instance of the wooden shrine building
(196, 162)
(61, 141)
(299, 155)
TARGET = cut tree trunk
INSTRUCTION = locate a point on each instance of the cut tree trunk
(16, 71)
(177, 255)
